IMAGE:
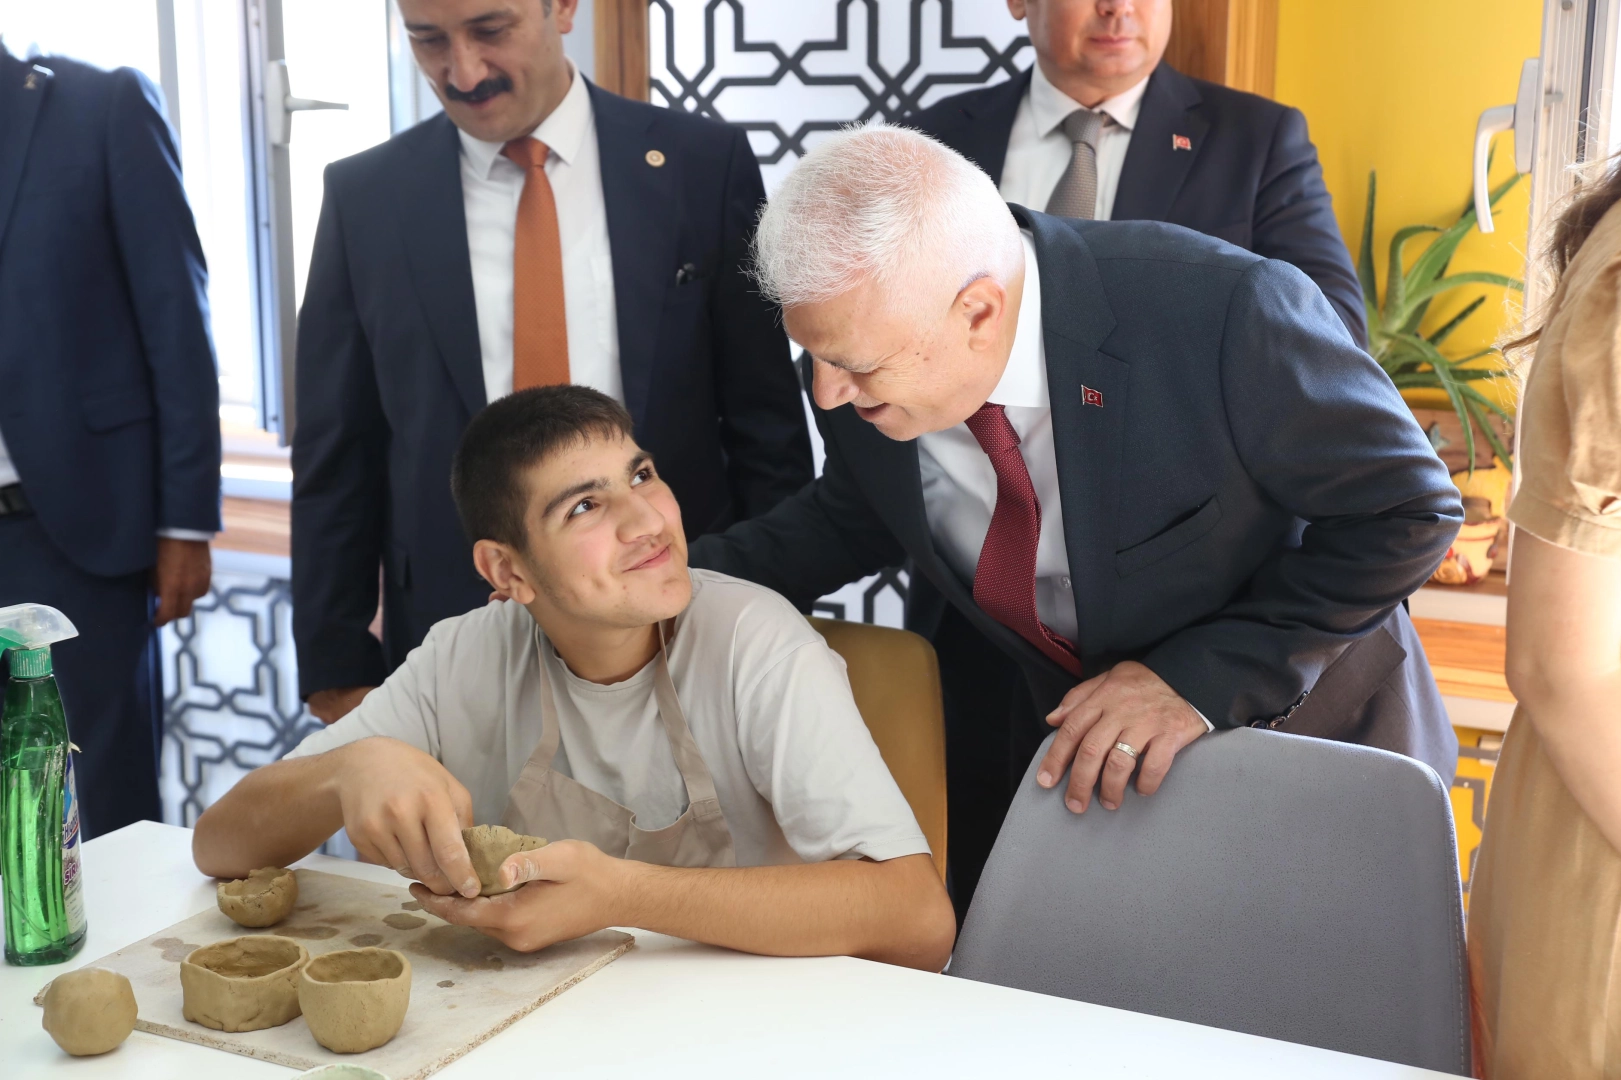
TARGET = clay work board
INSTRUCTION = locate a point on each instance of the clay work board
(465, 987)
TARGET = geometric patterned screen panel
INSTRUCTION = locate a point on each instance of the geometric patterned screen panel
(788, 71)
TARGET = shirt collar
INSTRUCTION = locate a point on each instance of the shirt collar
(1050, 105)
(563, 131)
(1024, 380)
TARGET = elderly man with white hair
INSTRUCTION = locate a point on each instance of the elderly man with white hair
(1151, 467)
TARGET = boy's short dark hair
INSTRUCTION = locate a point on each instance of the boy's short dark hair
(510, 435)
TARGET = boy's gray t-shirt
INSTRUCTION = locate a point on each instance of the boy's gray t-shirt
(768, 702)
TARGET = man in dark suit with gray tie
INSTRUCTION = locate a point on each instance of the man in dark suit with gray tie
(109, 404)
(1148, 467)
(1160, 146)
(540, 231)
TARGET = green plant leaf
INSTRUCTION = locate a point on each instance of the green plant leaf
(1364, 260)
(1396, 305)
(1472, 277)
(1452, 323)
(1438, 256)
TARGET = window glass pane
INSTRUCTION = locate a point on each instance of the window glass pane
(106, 33)
(337, 50)
(209, 61)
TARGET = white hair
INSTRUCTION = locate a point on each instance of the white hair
(889, 206)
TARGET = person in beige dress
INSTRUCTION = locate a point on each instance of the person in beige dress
(1545, 909)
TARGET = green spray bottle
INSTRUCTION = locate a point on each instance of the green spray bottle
(39, 837)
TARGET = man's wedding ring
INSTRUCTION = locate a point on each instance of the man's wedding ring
(1126, 749)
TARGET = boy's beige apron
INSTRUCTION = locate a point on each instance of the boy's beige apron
(547, 803)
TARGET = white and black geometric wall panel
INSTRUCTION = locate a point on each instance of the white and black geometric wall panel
(788, 70)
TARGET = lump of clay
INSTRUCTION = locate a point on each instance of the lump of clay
(242, 984)
(89, 1011)
(489, 846)
(355, 1000)
(263, 898)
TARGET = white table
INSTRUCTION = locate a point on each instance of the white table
(673, 1009)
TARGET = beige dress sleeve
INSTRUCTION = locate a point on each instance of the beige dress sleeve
(1570, 415)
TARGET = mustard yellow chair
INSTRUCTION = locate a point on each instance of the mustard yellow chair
(896, 681)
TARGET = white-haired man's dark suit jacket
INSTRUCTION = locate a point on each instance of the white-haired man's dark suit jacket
(1244, 515)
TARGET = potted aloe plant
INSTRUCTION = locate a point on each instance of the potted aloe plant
(1415, 360)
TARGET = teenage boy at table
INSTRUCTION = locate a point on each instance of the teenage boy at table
(685, 739)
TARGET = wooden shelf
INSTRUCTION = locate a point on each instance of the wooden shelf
(1468, 658)
(257, 526)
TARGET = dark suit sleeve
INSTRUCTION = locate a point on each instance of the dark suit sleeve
(168, 285)
(1294, 222)
(1323, 432)
(762, 418)
(817, 540)
(339, 493)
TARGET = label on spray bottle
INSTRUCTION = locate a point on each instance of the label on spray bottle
(72, 886)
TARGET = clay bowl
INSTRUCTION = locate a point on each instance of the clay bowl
(261, 899)
(355, 999)
(242, 984)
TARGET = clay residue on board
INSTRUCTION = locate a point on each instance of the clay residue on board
(443, 983)
(366, 941)
(410, 905)
(174, 950)
(404, 922)
(308, 933)
(467, 949)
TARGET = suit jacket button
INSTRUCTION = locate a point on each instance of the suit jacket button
(655, 158)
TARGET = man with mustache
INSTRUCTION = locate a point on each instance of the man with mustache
(686, 741)
(540, 231)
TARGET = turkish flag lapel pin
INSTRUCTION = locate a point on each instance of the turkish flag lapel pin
(1090, 396)
(1181, 142)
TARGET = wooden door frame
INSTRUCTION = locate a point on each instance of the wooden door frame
(1231, 42)
(620, 27)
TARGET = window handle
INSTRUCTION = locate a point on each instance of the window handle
(280, 104)
(1520, 118)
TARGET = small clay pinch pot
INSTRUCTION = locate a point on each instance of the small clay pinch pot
(261, 899)
(242, 984)
(355, 999)
(488, 846)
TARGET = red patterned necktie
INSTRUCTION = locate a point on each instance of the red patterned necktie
(1005, 579)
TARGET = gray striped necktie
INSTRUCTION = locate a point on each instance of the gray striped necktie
(1076, 195)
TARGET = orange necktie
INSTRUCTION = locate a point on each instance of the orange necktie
(539, 327)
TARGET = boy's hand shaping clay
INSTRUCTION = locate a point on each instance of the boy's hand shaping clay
(403, 809)
(572, 889)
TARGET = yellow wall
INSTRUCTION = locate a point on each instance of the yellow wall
(1397, 85)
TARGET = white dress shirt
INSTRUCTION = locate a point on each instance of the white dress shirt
(491, 188)
(959, 484)
(1038, 151)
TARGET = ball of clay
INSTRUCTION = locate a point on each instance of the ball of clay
(263, 898)
(89, 1011)
(355, 999)
(489, 846)
(242, 984)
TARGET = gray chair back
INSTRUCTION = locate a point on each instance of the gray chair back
(1289, 887)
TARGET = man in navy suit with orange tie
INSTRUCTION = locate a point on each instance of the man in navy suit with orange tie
(539, 231)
